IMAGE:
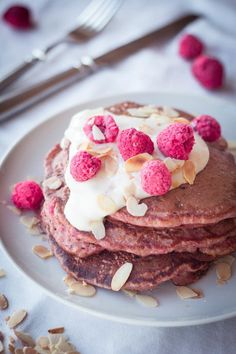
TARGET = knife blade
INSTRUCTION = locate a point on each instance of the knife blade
(10, 105)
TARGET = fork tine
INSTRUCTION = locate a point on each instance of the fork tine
(88, 12)
(95, 16)
(107, 15)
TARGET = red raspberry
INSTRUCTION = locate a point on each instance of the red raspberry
(190, 46)
(155, 177)
(19, 17)
(106, 124)
(176, 141)
(207, 127)
(132, 142)
(27, 195)
(84, 166)
(208, 71)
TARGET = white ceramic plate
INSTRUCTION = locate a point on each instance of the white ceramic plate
(26, 158)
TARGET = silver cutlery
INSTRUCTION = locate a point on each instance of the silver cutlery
(13, 104)
(91, 21)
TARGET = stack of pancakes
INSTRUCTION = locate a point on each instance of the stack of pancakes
(180, 235)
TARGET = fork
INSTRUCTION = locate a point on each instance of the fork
(91, 21)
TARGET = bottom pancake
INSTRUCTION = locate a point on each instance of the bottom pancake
(147, 273)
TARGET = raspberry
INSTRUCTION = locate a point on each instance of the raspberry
(190, 47)
(207, 127)
(18, 16)
(132, 142)
(106, 124)
(84, 166)
(155, 177)
(208, 71)
(176, 141)
(27, 195)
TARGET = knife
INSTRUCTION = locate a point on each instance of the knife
(12, 104)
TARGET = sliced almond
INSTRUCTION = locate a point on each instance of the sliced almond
(25, 338)
(63, 346)
(181, 120)
(110, 165)
(3, 302)
(56, 330)
(189, 171)
(147, 300)
(14, 209)
(173, 164)
(136, 162)
(43, 342)
(134, 208)
(42, 252)
(16, 318)
(102, 151)
(29, 221)
(142, 112)
(223, 271)
(129, 190)
(53, 183)
(97, 133)
(11, 348)
(184, 292)
(83, 290)
(121, 276)
(2, 273)
(146, 129)
(68, 280)
(170, 112)
(35, 230)
(106, 203)
(130, 293)
(98, 229)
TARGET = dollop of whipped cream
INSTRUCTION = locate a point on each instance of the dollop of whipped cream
(83, 207)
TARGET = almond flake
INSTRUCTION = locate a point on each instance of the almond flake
(185, 292)
(97, 133)
(56, 330)
(142, 112)
(34, 230)
(2, 273)
(189, 171)
(101, 151)
(52, 183)
(106, 204)
(170, 112)
(68, 280)
(136, 162)
(43, 342)
(147, 300)
(121, 276)
(173, 164)
(25, 338)
(3, 302)
(11, 348)
(130, 293)
(42, 252)
(229, 259)
(98, 229)
(63, 346)
(83, 290)
(16, 318)
(29, 221)
(110, 165)
(129, 190)
(181, 120)
(223, 272)
(14, 209)
(134, 208)
(146, 129)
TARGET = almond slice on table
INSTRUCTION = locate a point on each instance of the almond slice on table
(121, 276)
(97, 133)
(135, 163)
(98, 229)
(83, 290)
(181, 120)
(223, 272)
(25, 338)
(43, 342)
(53, 183)
(130, 293)
(106, 203)
(184, 292)
(3, 302)
(134, 208)
(147, 300)
(42, 251)
(189, 171)
(2, 273)
(16, 318)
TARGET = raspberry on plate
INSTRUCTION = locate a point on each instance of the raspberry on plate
(207, 127)
(190, 46)
(107, 127)
(155, 177)
(208, 71)
(19, 17)
(27, 195)
(84, 166)
(132, 142)
(176, 141)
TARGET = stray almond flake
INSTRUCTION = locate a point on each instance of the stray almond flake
(170, 112)
(223, 272)
(14, 209)
(56, 330)
(136, 162)
(106, 203)
(29, 221)
(185, 292)
(43, 342)
(3, 302)
(25, 338)
(130, 293)
(42, 252)
(121, 276)
(97, 133)
(181, 120)
(34, 230)
(2, 273)
(16, 318)
(98, 229)
(173, 164)
(147, 300)
(134, 208)
(53, 183)
(83, 290)
(189, 171)
(63, 346)
(110, 165)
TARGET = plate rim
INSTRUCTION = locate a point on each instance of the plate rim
(94, 312)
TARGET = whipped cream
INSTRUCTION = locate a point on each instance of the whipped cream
(82, 207)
